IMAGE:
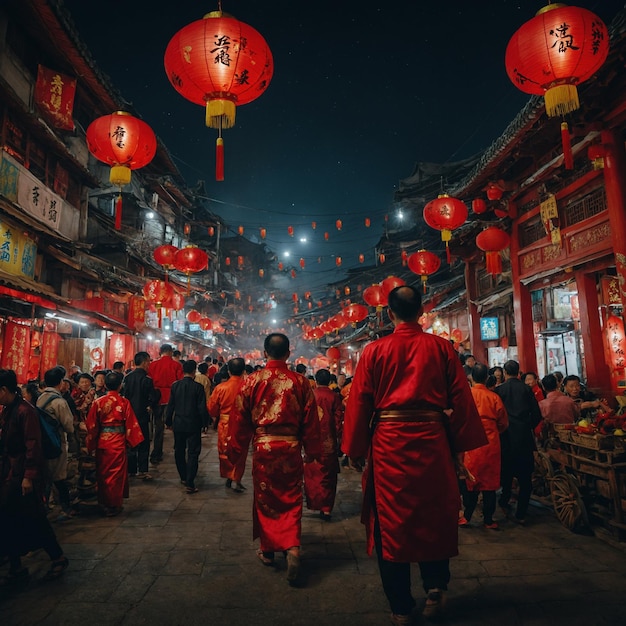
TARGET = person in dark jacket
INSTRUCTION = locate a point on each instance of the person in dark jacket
(185, 413)
(138, 388)
(518, 441)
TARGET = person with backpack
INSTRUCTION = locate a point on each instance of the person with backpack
(52, 402)
(24, 526)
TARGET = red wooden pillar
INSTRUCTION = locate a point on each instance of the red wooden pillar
(478, 347)
(598, 373)
(522, 312)
(615, 186)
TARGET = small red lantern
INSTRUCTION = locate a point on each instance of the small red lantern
(338, 261)
(211, 231)
(361, 258)
(193, 316)
(313, 225)
(390, 283)
(293, 273)
(355, 313)
(280, 266)
(326, 236)
(186, 229)
(404, 256)
(425, 264)
(219, 62)
(346, 290)
(158, 292)
(240, 261)
(317, 333)
(261, 273)
(263, 233)
(494, 191)
(123, 142)
(339, 224)
(294, 297)
(382, 258)
(164, 255)
(479, 206)
(301, 264)
(290, 231)
(492, 241)
(445, 214)
(205, 323)
(227, 261)
(368, 222)
(240, 230)
(307, 295)
(374, 296)
(333, 353)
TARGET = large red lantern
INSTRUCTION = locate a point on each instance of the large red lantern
(164, 255)
(190, 260)
(123, 142)
(176, 302)
(425, 264)
(445, 214)
(355, 313)
(333, 353)
(391, 282)
(158, 292)
(193, 316)
(219, 62)
(554, 52)
(492, 241)
(374, 296)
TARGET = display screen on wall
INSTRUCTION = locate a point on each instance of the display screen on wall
(489, 328)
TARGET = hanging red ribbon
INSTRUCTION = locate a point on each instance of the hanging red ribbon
(566, 140)
(219, 159)
(118, 212)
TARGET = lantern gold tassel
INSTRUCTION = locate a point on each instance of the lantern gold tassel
(118, 212)
(219, 159)
(566, 140)
(494, 263)
(220, 113)
(561, 100)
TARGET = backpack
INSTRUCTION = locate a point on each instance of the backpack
(50, 437)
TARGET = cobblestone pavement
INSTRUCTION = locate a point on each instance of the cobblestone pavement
(172, 558)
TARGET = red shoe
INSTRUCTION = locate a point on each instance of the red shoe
(463, 523)
(492, 526)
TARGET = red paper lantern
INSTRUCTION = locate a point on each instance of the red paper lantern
(176, 302)
(346, 290)
(445, 214)
(317, 333)
(333, 353)
(193, 316)
(240, 230)
(338, 321)
(492, 241)
(494, 192)
(294, 297)
(293, 273)
(327, 327)
(355, 313)
(205, 323)
(263, 233)
(227, 261)
(157, 292)
(123, 142)
(313, 225)
(280, 266)
(479, 206)
(456, 335)
(186, 229)
(190, 260)
(339, 224)
(361, 258)
(368, 222)
(211, 231)
(219, 62)
(390, 283)
(240, 261)
(374, 296)
(261, 273)
(290, 231)
(301, 264)
(338, 261)
(425, 264)
(164, 255)
(326, 236)
(554, 51)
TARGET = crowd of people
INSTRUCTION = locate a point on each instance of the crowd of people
(432, 432)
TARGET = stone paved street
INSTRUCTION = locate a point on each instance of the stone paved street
(172, 558)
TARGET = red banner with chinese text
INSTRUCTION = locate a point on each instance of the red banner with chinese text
(54, 94)
(121, 348)
(16, 350)
(49, 351)
(137, 313)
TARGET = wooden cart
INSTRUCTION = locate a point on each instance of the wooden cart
(585, 477)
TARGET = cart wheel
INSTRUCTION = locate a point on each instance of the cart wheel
(542, 474)
(568, 504)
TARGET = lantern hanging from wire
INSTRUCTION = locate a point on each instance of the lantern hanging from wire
(361, 258)
(552, 53)
(290, 231)
(240, 262)
(390, 283)
(338, 261)
(445, 214)
(313, 225)
(425, 264)
(221, 63)
(302, 263)
(263, 233)
(227, 261)
(123, 142)
(492, 241)
(382, 258)
(176, 302)
(261, 273)
(339, 224)
(280, 266)
(326, 236)
(333, 353)
(293, 273)
(158, 292)
(205, 324)
(374, 296)
(211, 231)
(193, 316)
(368, 222)
(355, 313)
(191, 260)
(164, 255)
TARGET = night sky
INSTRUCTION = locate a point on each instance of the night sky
(361, 92)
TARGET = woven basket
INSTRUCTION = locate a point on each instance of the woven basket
(594, 442)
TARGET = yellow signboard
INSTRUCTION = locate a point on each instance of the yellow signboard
(17, 252)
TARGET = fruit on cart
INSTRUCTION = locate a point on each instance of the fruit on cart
(619, 432)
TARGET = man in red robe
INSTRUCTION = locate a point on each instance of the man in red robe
(483, 464)
(410, 406)
(277, 407)
(221, 405)
(111, 428)
(320, 476)
(164, 372)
